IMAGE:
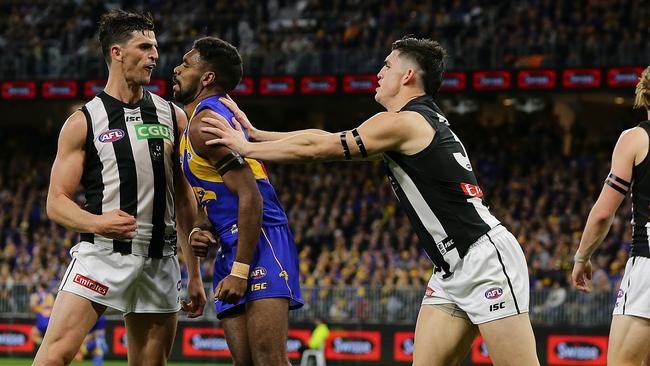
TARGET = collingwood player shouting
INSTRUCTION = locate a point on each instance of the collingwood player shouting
(121, 146)
(629, 336)
(480, 281)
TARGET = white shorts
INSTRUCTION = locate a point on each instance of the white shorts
(126, 282)
(489, 283)
(633, 298)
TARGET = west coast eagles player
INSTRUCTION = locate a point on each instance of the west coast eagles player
(256, 269)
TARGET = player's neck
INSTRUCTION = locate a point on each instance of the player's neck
(400, 100)
(118, 88)
(189, 108)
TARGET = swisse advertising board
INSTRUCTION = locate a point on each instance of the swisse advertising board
(18, 90)
(206, 342)
(245, 87)
(577, 350)
(353, 345)
(16, 338)
(320, 84)
(492, 80)
(61, 89)
(120, 346)
(480, 354)
(297, 339)
(202, 342)
(277, 85)
(403, 346)
(348, 344)
(453, 81)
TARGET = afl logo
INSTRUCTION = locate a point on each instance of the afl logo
(111, 135)
(258, 272)
(493, 293)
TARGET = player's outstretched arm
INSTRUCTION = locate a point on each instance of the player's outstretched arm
(617, 184)
(386, 131)
(64, 180)
(239, 179)
(261, 135)
(186, 212)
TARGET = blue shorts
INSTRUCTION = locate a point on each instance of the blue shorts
(41, 323)
(274, 269)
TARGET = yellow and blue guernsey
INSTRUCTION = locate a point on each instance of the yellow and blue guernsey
(274, 268)
(43, 309)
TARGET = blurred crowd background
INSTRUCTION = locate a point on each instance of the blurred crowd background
(541, 169)
(45, 39)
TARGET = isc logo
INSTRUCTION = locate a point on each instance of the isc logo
(493, 293)
(111, 135)
(258, 286)
(499, 306)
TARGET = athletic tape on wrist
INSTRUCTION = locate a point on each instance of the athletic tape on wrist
(240, 270)
(579, 258)
(189, 237)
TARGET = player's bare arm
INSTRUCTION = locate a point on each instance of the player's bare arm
(186, 209)
(65, 178)
(239, 179)
(386, 131)
(631, 148)
(256, 134)
(201, 237)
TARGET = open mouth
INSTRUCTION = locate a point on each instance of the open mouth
(150, 68)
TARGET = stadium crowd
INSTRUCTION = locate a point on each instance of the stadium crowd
(58, 39)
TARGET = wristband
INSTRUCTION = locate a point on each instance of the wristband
(580, 258)
(189, 237)
(240, 270)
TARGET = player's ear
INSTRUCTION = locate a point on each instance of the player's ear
(409, 76)
(208, 78)
(116, 52)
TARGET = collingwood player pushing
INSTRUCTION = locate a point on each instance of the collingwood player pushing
(480, 281)
(629, 337)
(121, 147)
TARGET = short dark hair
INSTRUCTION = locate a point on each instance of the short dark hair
(117, 25)
(223, 59)
(429, 55)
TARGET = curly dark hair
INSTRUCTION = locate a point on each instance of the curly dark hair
(222, 58)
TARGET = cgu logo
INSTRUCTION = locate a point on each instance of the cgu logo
(111, 135)
(493, 293)
(258, 272)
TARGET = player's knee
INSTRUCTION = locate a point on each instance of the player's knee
(439, 359)
(266, 352)
(242, 361)
(153, 357)
(54, 359)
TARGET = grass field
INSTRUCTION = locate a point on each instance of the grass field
(28, 361)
